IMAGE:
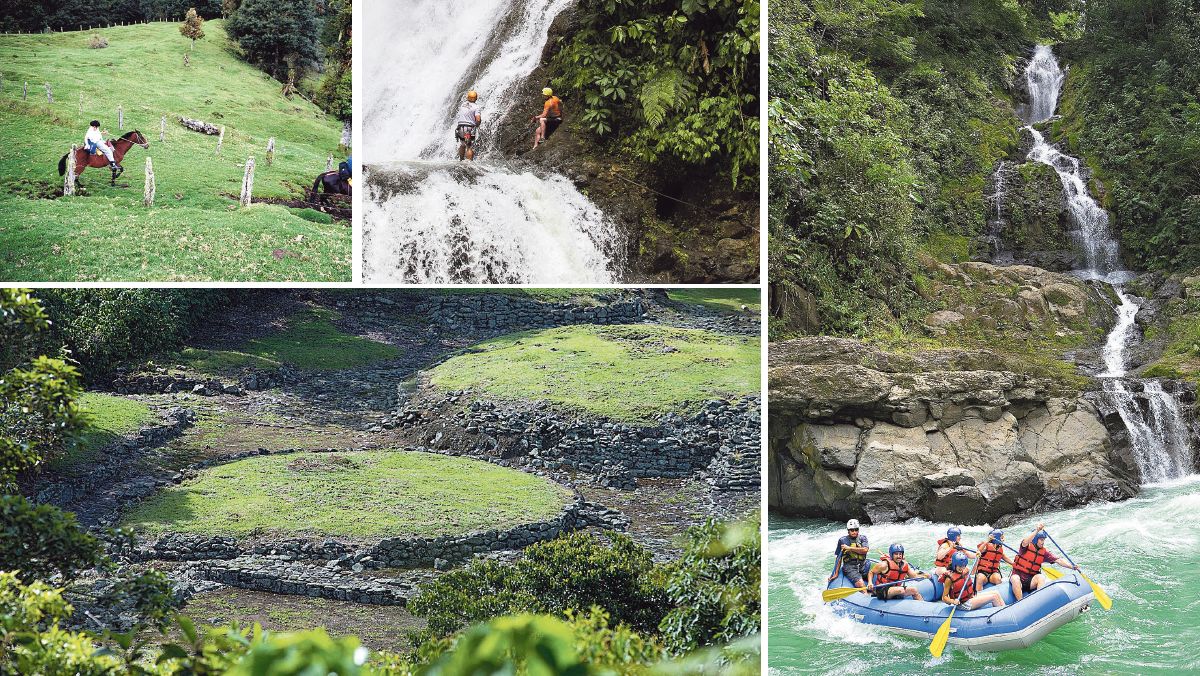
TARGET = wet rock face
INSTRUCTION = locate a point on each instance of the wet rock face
(945, 435)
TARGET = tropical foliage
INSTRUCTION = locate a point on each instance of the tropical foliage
(670, 81)
(886, 117)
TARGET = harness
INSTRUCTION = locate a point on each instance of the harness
(1029, 560)
(955, 584)
(854, 556)
(944, 561)
(894, 573)
(990, 556)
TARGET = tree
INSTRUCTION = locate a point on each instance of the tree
(334, 95)
(37, 394)
(280, 36)
(228, 7)
(192, 27)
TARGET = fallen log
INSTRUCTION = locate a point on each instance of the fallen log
(197, 125)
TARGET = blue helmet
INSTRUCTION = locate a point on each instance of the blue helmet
(953, 533)
(959, 559)
(1039, 536)
(896, 549)
(997, 535)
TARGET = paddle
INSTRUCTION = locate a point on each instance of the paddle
(843, 592)
(943, 632)
(1101, 596)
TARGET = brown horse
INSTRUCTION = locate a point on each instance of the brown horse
(84, 159)
(330, 182)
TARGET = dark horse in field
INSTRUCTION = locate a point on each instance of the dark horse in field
(84, 159)
(332, 183)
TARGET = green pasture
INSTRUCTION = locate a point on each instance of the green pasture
(194, 231)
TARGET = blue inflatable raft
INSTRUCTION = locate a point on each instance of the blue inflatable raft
(1016, 625)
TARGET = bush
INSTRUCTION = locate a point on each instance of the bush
(38, 541)
(572, 572)
(97, 42)
(105, 327)
(714, 587)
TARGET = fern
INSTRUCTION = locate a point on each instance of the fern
(666, 91)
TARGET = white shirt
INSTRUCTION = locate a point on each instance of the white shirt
(466, 114)
(94, 136)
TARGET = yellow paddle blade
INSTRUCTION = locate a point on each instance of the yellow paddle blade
(1101, 596)
(838, 593)
(1052, 573)
(942, 636)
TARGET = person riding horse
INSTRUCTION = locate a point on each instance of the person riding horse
(96, 145)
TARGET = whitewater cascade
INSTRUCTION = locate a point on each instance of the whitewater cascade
(1159, 436)
(428, 220)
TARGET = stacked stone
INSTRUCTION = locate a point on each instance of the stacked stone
(504, 313)
(280, 576)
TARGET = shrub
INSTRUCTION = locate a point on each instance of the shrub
(573, 572)
(97, 42)
(104, 327)
(714, 587)
(40, 540)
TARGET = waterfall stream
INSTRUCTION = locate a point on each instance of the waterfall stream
(496, 221)
(1158, 433)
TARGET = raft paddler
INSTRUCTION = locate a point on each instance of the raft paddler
(971, 597)
(852, 549)
(1027, 573)
(947, 547)
(991, 553)
(891, 569)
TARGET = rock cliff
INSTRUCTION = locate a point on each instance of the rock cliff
(958, 435)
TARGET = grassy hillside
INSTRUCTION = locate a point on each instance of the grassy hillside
(194, 231)
(624, 372)
(363, 494)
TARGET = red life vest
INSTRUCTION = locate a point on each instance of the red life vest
(1029, 560)
(990, 556)
(894, 573)
(944, 561)
(956, 582)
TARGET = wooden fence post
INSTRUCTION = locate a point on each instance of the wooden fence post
(270, 150)
(220, 139)
(186, 60)
(162, 128)
(248, 182)
(329, 164)
(25, 91)
(81, 103)
(69, 181)
(148, 193)
(120, 118)
(49, 94)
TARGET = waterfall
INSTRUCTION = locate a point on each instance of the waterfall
(1159, 436)
(994, 233)
(497, 221)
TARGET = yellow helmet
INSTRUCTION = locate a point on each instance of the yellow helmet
(547, 92)
(472, 95)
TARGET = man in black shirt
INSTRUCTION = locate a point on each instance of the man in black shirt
(853, 548)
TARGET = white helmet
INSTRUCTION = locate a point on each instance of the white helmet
(852, 524)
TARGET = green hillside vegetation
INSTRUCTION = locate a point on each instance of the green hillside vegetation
(630, 372)
(403, 493)
(194, 231)
(724, 300)
(310, 342)
(106, 419)
(886, 118)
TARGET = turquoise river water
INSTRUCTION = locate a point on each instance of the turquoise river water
(1144, 552)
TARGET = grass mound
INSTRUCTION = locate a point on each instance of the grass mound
(310, 342)
(357, 495)
(194, 231)
(108, 418)
(723, 300)
(627, 372)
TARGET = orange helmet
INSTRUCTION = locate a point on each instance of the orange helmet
(472, 95)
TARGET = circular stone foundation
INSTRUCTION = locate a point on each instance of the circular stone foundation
(361, 494)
